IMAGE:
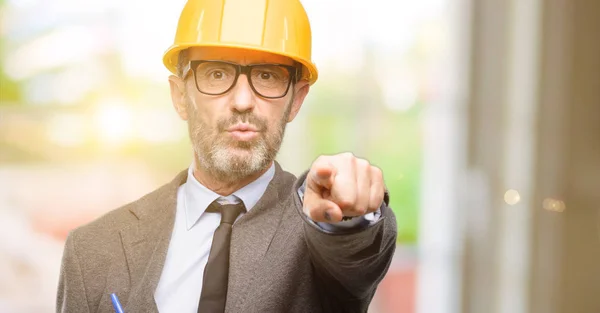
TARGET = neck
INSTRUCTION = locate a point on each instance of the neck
(220, 186)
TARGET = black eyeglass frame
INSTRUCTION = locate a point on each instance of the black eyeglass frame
(241, 69)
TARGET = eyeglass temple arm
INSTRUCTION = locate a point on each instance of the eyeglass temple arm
(186, 70)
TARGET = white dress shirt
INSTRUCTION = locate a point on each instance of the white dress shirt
(180, 283)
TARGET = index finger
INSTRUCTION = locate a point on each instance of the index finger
(323, 173)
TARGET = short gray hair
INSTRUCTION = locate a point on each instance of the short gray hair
(182, 61)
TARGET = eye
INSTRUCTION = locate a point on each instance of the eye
(268, 75)
(265, 75)
(217, 75)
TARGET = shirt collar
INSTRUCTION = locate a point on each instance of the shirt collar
(198, 197)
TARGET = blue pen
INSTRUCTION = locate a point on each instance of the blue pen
(116, 303)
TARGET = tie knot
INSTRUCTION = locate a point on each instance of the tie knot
(229, 212)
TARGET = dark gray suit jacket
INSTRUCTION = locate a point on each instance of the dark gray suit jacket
(280, 261)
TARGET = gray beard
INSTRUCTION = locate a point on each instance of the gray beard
(212, 146)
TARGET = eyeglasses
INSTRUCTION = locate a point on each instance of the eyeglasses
(215, 78)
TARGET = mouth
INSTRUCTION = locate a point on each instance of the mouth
(243, 132)
(242, 127)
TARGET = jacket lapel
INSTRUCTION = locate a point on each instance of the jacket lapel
(146, 243)
(252, 236)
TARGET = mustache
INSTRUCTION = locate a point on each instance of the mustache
(245, 117)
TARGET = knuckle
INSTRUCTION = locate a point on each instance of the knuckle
(347, 155)
(345, 203)
(355, 211)
(377, 203)
(376, 172)
(361, 210)
(362, 163)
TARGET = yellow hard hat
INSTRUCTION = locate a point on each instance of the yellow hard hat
(275, 26)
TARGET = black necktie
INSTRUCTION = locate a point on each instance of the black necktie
(216, 272)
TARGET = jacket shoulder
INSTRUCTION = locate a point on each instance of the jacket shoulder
(107, 224)
(104, 230)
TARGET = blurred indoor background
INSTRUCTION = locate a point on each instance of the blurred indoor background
(483, 114)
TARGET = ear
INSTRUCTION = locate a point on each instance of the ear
(178, 96)
(301, 90)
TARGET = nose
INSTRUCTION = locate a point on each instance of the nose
(243, 96)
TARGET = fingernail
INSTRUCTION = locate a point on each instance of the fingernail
(327, 216)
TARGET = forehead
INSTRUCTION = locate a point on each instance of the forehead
(237, 55)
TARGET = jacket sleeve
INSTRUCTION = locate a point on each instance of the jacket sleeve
(71, 295)
(350, 263)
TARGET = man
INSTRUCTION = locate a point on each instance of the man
(234, 232)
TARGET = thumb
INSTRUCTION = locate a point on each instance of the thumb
(322, 210)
